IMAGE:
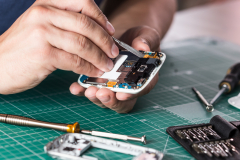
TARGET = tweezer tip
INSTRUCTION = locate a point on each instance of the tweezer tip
(115, 39)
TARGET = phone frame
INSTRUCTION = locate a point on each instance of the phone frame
(127, 90)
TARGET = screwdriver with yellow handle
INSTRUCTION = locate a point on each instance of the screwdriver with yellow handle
(229, 83)
(70, 128)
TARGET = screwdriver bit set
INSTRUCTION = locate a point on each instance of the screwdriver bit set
(198, 134)
(218, 139)
(217, 148)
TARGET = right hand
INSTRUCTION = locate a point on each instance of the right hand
(53, 34)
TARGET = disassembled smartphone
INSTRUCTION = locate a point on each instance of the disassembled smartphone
(130, 74)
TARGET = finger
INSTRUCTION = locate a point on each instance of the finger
(126, 96)
(77, 89)
(87, 7)
(85, 26)
(77, 44)
(108, 99)
(91, 95)
(147, 39)
(142, 38)
(141, 44)
(66, 61)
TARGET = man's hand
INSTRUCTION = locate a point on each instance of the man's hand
(53, 34)
(141, 38)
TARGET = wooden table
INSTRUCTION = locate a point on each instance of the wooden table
(220, 20)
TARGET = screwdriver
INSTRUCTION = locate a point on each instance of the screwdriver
(70, 128)
(229, 83)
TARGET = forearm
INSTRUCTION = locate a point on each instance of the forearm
(157, 14)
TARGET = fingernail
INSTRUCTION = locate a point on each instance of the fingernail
(110, 64)
(100, 73)
(110, 28)
(75, 92)
(105, 99)
(144, 41)
(92, 98)
(115, 50)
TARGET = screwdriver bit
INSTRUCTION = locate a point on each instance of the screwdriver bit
(209, 107)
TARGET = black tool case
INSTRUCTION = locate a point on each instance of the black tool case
(226, 130)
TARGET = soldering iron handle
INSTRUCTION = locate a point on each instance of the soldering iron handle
(29, 122)
(232, 79)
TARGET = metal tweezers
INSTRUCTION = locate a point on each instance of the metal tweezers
(129, 48)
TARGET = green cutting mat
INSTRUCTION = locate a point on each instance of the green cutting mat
(199, 63)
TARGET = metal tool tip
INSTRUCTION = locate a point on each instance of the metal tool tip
(209, 108)
(194, 89)
(144, 139)
(115, 39)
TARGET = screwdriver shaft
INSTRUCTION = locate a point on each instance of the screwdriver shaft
(222, 90)
(115, 136)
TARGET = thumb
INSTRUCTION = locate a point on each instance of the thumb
(140, 43)
(147, 39)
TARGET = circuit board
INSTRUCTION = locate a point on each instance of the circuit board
(199, 63)
(130, 73)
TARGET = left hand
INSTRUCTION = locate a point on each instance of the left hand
(141, 38)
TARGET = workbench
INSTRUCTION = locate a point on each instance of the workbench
(190, 63)
(199, 63)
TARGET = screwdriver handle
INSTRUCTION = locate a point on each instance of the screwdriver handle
(29, 122)
(232, 79)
